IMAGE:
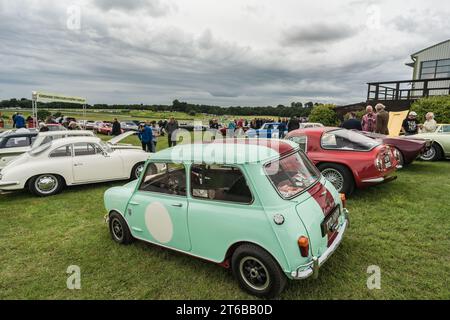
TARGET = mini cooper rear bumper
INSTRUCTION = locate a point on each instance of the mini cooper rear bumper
(312, 268)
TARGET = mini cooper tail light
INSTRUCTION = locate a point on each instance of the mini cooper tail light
(303, 244)
(343, 199)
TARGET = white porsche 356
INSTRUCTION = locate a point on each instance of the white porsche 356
(48, 168)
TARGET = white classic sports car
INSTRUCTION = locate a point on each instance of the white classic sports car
(21, 145)
(47, 169)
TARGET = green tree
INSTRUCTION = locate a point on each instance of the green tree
(43, 114)
(324, 114)
(440, 106)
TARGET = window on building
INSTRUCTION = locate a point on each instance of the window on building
(435, 69)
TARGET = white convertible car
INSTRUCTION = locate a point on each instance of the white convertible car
(48, 168)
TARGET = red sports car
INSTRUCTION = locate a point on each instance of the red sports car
(347, 158)
(106, 128)
(409, 148)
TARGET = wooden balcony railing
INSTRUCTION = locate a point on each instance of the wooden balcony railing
(407, 89)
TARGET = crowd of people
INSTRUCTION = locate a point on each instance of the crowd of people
(374, 120)
(377, 121)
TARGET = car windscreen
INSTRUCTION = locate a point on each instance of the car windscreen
(292, 175)
(39, 149)
(342, 139)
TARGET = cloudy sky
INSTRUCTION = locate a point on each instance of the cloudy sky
(229, 52)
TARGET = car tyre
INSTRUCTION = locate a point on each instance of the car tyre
(257, 272)
(46, 185)
(137, 170)
(340, 176)
(434, 154)
(119, 230)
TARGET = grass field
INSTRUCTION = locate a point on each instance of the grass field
(402, 227)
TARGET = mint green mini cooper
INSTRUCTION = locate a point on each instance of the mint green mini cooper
(258, 206)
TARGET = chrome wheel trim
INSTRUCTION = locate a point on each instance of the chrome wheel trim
(254, 273)
(430, 154)
(139, 170)
(46, 184)
(117, 229)
(335, 177)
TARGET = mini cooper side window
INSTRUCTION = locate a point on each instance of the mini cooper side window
(221, 183)
(65, 151)
(169, 178)
(86, 149)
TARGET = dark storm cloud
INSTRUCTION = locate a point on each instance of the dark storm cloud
(38, 52)
(316, 33)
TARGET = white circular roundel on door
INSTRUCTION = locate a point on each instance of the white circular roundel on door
(158, 222)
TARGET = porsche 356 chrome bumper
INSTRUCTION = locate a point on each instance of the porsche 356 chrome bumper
(312, 268)
(8, 183)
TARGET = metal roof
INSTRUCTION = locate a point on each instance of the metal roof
(435, 45)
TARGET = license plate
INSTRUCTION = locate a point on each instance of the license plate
(330, 223)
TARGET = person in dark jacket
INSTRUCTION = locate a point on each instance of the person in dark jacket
(352, 123)
(410, 125)
(382, 119)
(14, 119)
(145, 134)
(116, 128)
(293, 124)
(20, 121)
(171, 129)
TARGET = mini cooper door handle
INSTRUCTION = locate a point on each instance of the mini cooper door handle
(133, 203)
(77, 164)
(178, 205)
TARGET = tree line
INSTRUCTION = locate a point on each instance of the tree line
(294, 109)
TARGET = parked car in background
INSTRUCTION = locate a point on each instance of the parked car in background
(15, 142)
(39, 139)
(408, 148)
(346, 158)
(106, 128)
(258, 206)
(56, 127)
(305, 125)
(87, 124)
(47, 169)
(440, 148)
(97, 124)
(129, 126)
(268, 130)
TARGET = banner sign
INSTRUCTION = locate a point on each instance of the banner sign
(50, 97)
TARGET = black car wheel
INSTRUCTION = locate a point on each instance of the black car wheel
(257, 271)
(433, 154)
(137, 170)
(119, 230)
(45, 185)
